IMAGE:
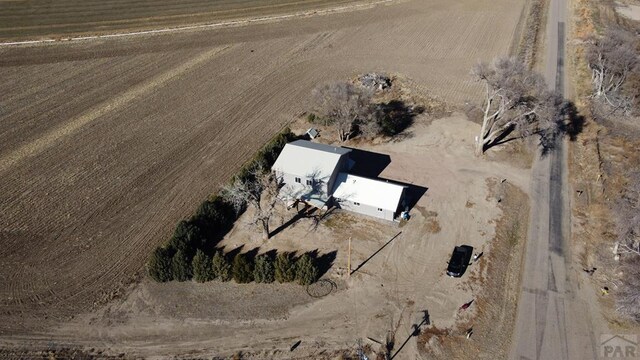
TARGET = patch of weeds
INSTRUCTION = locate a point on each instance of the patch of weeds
(513, 231)
(432, 224)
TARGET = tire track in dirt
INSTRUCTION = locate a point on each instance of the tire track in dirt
(49, 139)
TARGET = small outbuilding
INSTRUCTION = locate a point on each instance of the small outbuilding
(313, 133)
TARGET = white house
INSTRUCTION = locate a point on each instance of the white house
(318, 174)
(309, 170)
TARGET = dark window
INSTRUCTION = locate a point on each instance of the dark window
(309, 182)
(298, 180)
(356, 203)
(379, 209)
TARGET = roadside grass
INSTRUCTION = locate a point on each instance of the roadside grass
(598, 162)
(513, 232)
(519, 153)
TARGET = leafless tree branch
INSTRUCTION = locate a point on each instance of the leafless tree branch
(259, 190)
(343, 106)
(515, 100)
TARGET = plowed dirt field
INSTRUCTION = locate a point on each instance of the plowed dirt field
(105, 145)
(21, 19)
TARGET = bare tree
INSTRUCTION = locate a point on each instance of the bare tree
(612, 59)
(516, 103)
(628, 294)
(627, 211)
(627, 214)
(259, 190)
(343, 106)
(370, 129)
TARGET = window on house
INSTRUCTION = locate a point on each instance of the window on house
(379, 209)
(356, 203)
(309, 182)
(298, 180)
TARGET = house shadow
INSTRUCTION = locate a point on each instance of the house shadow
(412, 195)
(367, 163)
(370, 165)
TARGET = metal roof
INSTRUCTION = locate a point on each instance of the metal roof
(307, 159)
(375, 193)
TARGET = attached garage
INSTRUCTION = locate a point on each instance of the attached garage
(377, 198)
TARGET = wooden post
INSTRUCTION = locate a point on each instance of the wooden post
(349, 259)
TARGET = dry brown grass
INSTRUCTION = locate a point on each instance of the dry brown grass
(433, 226)
(532, 32)
(519, 153)
(598, 162)
(498, 274)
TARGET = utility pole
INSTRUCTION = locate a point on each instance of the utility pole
(349, 259)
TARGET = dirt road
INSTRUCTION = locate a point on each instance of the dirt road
(554, 321)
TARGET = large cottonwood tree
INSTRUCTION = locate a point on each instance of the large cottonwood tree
(516, 104)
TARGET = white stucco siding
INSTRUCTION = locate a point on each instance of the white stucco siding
(365, 209)
(368, 195)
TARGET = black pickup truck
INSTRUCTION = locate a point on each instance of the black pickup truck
(459, 260)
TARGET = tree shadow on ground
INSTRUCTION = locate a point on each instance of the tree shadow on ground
(232, 253)
(251, 254)
(416, 330)
(571, 125)
(306, 211)
(574, 124)
(396, 116)
(324, 262)
(271, 254)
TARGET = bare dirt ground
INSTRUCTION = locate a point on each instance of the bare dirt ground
(494, 282)
(105, 145)
(33, 20)
(387, 293)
